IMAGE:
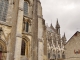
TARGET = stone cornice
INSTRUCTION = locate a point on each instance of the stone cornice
(5, 23)
(27, 17)
(27, 33)
(19, 35)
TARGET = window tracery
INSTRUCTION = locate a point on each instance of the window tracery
(3, 9)
(25, 8)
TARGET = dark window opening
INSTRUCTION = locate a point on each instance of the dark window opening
(23, 48)
(27, 27)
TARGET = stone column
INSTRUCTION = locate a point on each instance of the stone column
(13, 30)
(40, 32)
(61, 50)
(17, 54)
(35, 31)
(8, 49)
(45, 42)
(56, 47)
(60, 54)
(40, 50)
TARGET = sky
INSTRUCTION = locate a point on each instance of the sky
(67, 12)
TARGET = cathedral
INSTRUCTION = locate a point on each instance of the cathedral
(55, 43)
(24, 35)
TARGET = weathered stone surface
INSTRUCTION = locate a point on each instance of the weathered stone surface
(73, 47)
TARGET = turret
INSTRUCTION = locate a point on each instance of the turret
(64, 39)
(57, 27)
(51, 26)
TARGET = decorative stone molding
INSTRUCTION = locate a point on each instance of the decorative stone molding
(5, 23)
(20, 8)
(27, 33)
(25, 37)
(27, 17)
(19, 35)
(40, 40)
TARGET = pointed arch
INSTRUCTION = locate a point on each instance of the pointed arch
(25, 38)
(25, 46)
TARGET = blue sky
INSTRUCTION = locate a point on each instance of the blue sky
(67, 12)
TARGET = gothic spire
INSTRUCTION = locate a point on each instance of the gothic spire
(64, 34)
(57, 24)
(64, 39)
(51, 26)
(57, 27)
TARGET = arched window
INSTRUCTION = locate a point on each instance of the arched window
(23, 46)
(3, 9)
(25, 8)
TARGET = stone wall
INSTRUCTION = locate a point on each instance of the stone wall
(72, 47)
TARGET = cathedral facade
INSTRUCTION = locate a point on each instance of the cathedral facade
(55, 43)
(23, 34)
